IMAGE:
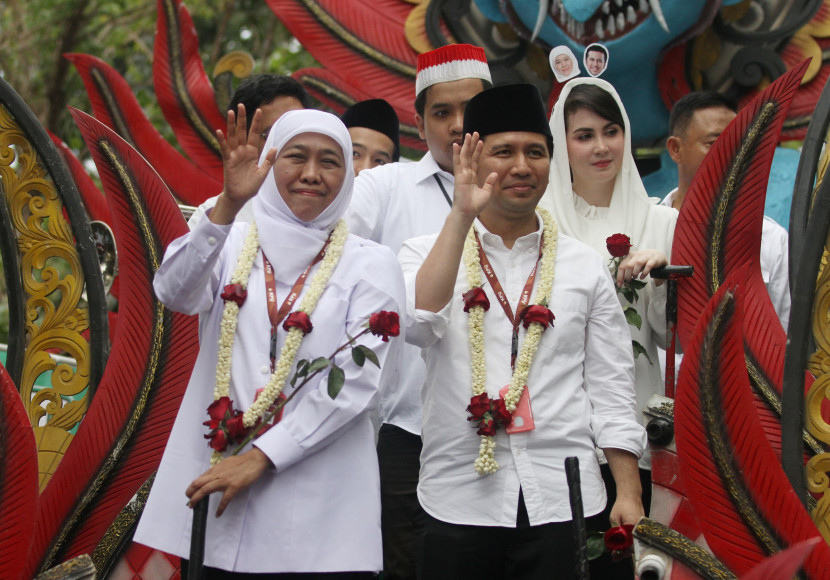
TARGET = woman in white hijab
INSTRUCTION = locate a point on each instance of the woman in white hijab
(563, 63)
(594, 192)
(304, 497)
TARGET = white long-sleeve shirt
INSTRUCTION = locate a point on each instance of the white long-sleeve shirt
(580, 385)
(390, 204)
(319, 509)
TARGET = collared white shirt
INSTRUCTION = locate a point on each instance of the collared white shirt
(775, 269)
(319, 509)
(580, 385)
(390, 204)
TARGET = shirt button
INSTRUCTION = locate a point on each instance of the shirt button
(211, 241)
(264, 369)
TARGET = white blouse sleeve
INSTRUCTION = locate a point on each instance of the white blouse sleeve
(188, 277)
(423, 328)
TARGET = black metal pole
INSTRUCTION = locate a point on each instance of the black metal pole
(580, 532)
(197, 540)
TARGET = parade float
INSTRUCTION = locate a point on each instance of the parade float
(740, 447)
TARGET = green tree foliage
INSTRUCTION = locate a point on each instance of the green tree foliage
(35, 33)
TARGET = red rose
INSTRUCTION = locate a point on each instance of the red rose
(235, 427)
(487, 427)
(618, 245)
(299, 320)
(479, 405)
(619, 538)
(475, 297)
(235, 292)
(538, 313)
(219, 408)
(500, 413)
(218, 440)
(385, 324)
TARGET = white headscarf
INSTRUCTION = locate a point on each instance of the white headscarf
(289, 242)
(629, 208)
(560, 50)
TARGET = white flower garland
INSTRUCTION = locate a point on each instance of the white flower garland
(288, 353)
(486, 462)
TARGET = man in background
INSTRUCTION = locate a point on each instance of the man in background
(375, 131)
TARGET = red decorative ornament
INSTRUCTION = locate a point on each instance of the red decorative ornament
(618, 245)
(385, 324)
(475, 297)
(235, 293)
(537, 313)
(299, 320)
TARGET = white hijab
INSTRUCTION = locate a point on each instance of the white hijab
(629, 208)
(289, 242)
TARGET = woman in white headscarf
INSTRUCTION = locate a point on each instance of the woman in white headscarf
(594, 192)
(304, 497)
(563, 63)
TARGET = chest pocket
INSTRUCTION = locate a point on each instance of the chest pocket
(570, 325)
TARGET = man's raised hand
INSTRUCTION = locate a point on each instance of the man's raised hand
(469, 198)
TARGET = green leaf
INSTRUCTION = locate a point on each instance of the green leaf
(336, 379)
(596, 545)
(302, 370)
(369, 354)
(318, 364)
(639, 350)
(637, 284)
(633, 317)
(629, 294)
(358, 356)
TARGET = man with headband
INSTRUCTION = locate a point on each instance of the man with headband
(524, 341)
(391, 204)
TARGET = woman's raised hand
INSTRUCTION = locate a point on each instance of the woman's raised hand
(469, 198)
(240, 158)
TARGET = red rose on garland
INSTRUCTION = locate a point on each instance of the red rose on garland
(618, 245)
(488, 414)
(385, 324)
(235, 293)
(298, 319)
(537, 313)
(475, 297)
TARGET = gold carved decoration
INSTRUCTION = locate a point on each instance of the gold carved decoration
(52, 282)
(818, 364)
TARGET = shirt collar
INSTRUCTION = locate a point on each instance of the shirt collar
(427, 167)
(493, 241)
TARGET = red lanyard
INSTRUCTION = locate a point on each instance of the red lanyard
(275, 315)
(524, 299)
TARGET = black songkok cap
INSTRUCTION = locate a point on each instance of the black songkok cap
(378, 115)
(507, 108)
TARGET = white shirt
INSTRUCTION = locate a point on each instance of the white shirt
(774, 262)
(246, 213)
(319, 509)
(391, 204)
(580, 385)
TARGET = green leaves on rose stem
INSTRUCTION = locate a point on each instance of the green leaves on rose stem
(640, 350)
(361, 352)
(633, 317)
(302, 370)
(596, 545)
(336, 379)
(318, 364)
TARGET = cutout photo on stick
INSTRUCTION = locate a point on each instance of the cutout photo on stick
(596, 59)
(563, 63)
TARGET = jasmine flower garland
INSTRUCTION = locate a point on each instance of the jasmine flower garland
(486, 462)
(288, 353)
